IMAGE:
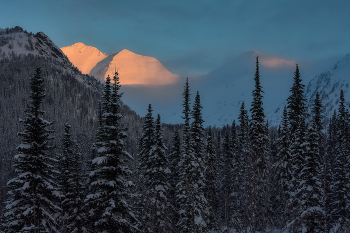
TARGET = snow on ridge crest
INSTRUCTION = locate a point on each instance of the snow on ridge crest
(83, 56)
(133, 68)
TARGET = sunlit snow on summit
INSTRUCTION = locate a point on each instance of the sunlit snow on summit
(133, 69)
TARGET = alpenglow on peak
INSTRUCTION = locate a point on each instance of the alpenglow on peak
(132, 68)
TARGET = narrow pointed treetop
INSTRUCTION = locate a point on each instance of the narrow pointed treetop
(296, 102)
(197, 128)
(317, 113)
(186, 111)
(258, 117)
(147, 136)
(106, 96)
(257, 110)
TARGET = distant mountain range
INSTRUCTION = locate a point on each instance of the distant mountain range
(145, 80)
(132, 68)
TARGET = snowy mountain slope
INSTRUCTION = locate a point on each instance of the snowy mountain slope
(133, 68)
(83, 57)
(17, 42)
(328, 84)
(100, 69)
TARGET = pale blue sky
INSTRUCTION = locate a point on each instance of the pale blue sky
(191, 36)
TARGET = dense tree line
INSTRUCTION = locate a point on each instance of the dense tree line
(244, 177)
(70, 97)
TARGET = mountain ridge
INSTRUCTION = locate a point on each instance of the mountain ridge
(132, 68)
(83, 57)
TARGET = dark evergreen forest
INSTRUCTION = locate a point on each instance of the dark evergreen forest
(79, 160)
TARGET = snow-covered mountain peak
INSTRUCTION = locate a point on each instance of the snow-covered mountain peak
(81, 48)
(126, 52)
(137, 69)
(84, 57)
(133, 68)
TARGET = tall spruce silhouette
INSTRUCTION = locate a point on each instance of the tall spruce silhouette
(111, 175)
(31, 206)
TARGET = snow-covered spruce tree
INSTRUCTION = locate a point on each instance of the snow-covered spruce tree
(31, 206)
(236, 206)
(299, 152)
(90, 204)
(276, 206)
(76, 221)
(74, 199)
(157, 185)
(340, 186)
(190, 196)
(243, 155)
(310, 190)
(71, 186)
(285, 175)
(218, 149)
(183, 187)
(147, 139)
(197, 134)
(211, 172)
(226, 184)
(328, 165)
(296, 104)
(147, 143)
(309, 180)
(174, 160)
(296, 115)
(63, 176)
(259, 177)
(323, 158)
(111, 185)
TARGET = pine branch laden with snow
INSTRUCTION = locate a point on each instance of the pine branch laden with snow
(31, 206)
